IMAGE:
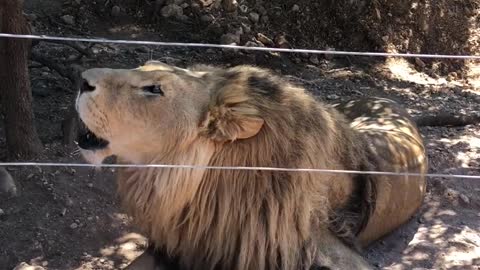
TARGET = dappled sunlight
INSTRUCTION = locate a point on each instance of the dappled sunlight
(466, 240)
(124, 249)
(470, 142)
(401, 69)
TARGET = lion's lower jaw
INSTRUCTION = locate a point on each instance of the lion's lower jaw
(95, 157)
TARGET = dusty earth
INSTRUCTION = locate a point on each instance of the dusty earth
(68, 218)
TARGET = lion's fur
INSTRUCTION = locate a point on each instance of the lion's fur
(240, 116)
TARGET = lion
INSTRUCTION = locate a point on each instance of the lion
(240, 219)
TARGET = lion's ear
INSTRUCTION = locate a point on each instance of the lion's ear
(223, 123)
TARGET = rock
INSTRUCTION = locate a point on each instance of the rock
(171, 10)
(116, 11)
(330, 56)
(208, 18)
(254, 17)
(246, 28)
(2, 212)
(68, 19)
(451, 194)
(464, 198)
(251, 44)
(262, 10)
(264, 39)
(159, 4)
(7, 184)
(73, 226)
(26, 266)
(230, 39)
(332, 97)
(31, 17)
(420, 63)
(205, 3)
(69, 202)
(264, 19)
(282, 42)
(182, 17)
(295, 8)
(314, 59)
(243, 8)
(230, 5)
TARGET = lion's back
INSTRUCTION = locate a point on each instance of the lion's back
(395, 145)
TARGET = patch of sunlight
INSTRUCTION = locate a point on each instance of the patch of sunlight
(463, 250)
(464, 158)
(401, 69)
(431, 211)
(125, 250)
(472, 140)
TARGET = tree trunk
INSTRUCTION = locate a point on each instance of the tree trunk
(16, 97)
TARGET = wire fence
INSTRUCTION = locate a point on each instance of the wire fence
(247, 48)
(239, 47)
(200, 167)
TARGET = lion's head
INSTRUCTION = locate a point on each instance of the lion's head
(138, 113)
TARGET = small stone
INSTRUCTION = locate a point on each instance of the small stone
(254, 17)
(90, 185)
(314, 59)
(262, 10)
(26, 266)
(69, 202)
(282, 42)
(295, 8)
(230, 5)
(229, 39)
(207, 18)
(332, 97)
(2, 212)
(159, 4)
(451, 194)
(243, 8)
(116, 11)
(7, 184)
(385, 38)
(171, 10)
(246, 28)
(31, 17)
(420, 63)
(182, 17)
(251, 44)
(264, 19)
(68, 19)
(73, 226)
(205, 3)
(329, 56)
(264, 39)
(464, 199)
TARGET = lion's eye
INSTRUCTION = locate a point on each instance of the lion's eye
(153, 89)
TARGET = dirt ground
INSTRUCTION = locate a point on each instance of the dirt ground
(69, 219)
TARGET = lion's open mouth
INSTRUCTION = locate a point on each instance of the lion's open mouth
(88, 140)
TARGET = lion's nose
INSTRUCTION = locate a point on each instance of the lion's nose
(86, 87)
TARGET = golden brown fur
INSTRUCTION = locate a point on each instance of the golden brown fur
(246, 116)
